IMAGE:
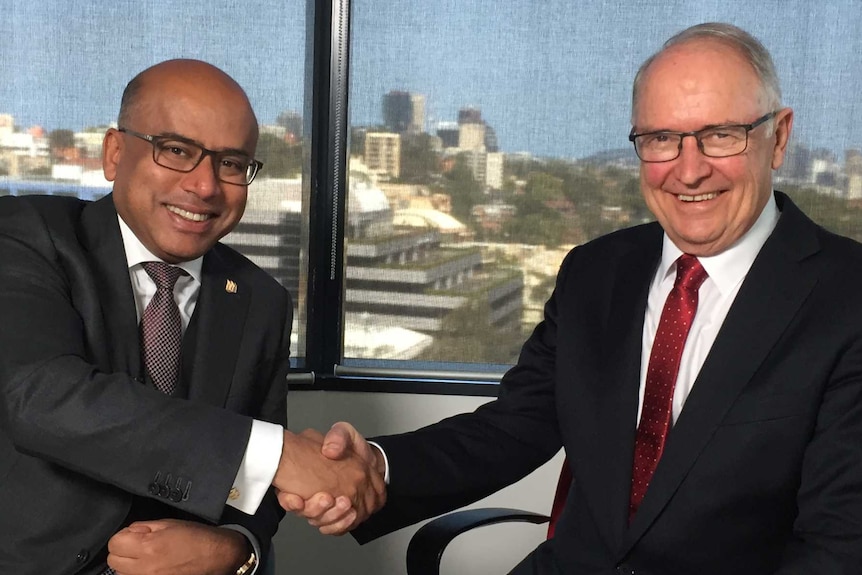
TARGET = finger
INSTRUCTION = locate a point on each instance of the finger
(153, 526)
(290, 501)
(318, 504)
(340, 527)
(125, 543)
(338, 440)
(341, 509)
(121, 565)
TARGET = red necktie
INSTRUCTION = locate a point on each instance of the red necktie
(656, 415)
(162, 328)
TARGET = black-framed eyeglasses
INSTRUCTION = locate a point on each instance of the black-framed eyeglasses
(714, 141)
(184, 155)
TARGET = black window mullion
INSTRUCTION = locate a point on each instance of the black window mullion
(327, 206)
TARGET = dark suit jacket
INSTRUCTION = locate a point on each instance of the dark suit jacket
(82, 438)
(762, 472)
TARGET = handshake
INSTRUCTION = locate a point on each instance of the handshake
(335, 482)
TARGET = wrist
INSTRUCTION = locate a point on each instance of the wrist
(379, 460)
(237, 552)
(248, 566)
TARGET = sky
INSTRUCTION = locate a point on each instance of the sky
(553, 78)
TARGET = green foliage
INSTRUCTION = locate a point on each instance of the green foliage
(464, 191)
(420, 164)
(832, 213)
(468, 337)
(280, 159)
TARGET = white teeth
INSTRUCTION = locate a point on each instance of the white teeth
(189, 215)
(699, 198)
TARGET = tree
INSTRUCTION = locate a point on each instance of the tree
(280, 159)
(419, 162)
(467, 336)
(463, 189)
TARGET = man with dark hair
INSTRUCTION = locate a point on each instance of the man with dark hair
(703, 373)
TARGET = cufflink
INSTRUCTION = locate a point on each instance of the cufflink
(233, 494)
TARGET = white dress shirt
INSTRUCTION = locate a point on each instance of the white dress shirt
(726, 272)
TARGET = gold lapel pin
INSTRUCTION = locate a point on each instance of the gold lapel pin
(230, 286)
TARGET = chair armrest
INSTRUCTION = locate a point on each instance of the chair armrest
(428, 543)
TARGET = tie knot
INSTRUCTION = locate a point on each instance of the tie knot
(165, 275)
(689, 273)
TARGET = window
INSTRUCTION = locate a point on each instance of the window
(487, 138)
(426, 172)
(64, 69)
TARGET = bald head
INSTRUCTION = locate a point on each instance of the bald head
(188, 78)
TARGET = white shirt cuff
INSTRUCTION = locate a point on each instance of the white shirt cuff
(258, 466)
(385, 461)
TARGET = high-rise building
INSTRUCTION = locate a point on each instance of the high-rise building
(270, 231)
(417, 116)
(448, 134)
(471, 136)
(383, 153)
(491, 144)
(470, 116)
(403, 112)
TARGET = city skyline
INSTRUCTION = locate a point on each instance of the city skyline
(553, 80)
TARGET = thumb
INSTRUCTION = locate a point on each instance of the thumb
(291, 502)
(139, 527)
(338, 440)
(152, 526)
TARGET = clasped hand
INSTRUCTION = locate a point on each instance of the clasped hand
(335, 482)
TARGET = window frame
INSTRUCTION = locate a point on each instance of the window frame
(327, 95)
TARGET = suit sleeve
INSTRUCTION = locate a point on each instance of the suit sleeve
(264, 523)
(58, 406)
(466, 457)
(827, 531)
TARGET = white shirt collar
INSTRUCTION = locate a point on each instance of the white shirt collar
(137, 253)
(729, 267)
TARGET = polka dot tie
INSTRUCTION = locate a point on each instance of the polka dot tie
(676, 318)
(162, 329)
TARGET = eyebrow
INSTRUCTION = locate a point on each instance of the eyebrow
(180, 137)
(706, 127)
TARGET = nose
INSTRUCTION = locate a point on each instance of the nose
(692, 165)
(202, 181)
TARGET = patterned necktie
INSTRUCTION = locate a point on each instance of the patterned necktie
(161, 333)
(676, 318)
(162, 328)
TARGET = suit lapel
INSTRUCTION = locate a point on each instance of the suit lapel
(221, 313)
(772, 293)
(609, 475)
(100, 236)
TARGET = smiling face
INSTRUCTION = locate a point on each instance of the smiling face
(706, 204)
(180, 216)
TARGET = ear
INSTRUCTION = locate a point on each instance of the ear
(783, 125)
(112, 151)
